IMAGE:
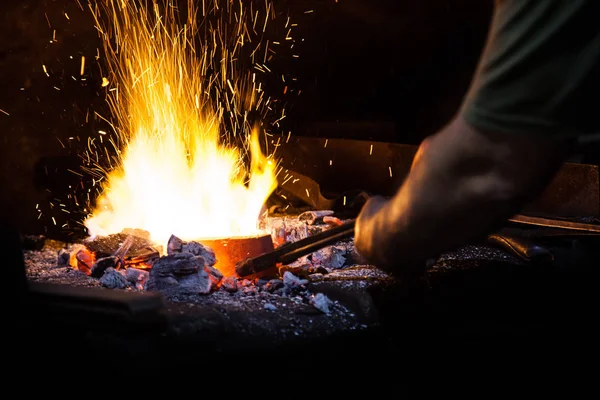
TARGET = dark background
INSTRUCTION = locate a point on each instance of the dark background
(380, 70)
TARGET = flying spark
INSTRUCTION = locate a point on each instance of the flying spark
(187, 114)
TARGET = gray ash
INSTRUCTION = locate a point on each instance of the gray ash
(468, 256)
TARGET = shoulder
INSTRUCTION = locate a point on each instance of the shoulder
(540, 68)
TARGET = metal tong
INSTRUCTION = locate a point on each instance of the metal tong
(292, 251)
(289, 252)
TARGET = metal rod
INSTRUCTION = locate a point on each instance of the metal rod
(554, 223)
(293, 251)
(288, 248)
(312, 247)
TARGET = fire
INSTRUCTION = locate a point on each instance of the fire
(178, 107)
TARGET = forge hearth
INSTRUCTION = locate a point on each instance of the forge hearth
(330, 303)
(189, 270)
(130, 257)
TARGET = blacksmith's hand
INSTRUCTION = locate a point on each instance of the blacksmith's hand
(377, 234)
(367, 233)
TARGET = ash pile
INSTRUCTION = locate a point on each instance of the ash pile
(188, 271)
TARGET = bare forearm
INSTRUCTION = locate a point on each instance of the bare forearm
(462, 186)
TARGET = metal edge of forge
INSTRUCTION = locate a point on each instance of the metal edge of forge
(341, 165)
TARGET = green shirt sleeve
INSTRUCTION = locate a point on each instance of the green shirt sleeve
(540, 70)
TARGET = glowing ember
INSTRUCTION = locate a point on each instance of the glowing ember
(177, 106)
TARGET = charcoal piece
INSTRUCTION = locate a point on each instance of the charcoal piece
(229, 284)
(105, 246)
(85, 260)
(198, 249)
(64, 258)
(311, 217)
(174, 245)
(290, 281)
(296, 233)
(113, 279)
(162, 267)
(137, 277)
(199, 282)
(303, 270)
(286, 230)
(102, 264)
(245, 283)
(183, 273)
(157, 283)
(214, 274)
(178, 264)
(277, 231)
(141, 233)
(332, 257)
(250, 290)
(144, 255)
(177, 246)
(260, 282)
(273, 285)
(161, 275)
(188, 265)
(270, 307)
(316, 277)
(321, 303)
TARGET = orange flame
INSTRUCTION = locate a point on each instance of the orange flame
(176, 173)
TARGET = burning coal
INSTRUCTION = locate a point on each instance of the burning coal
(186, 113)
